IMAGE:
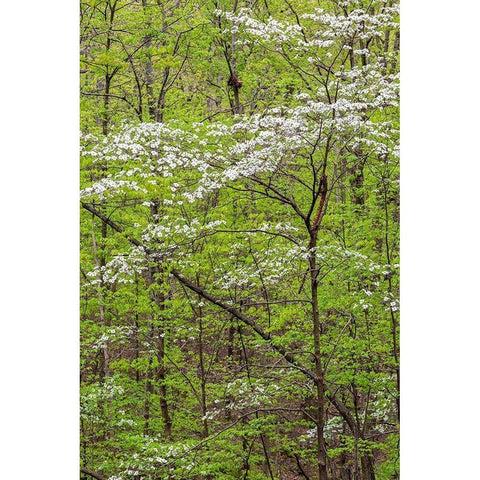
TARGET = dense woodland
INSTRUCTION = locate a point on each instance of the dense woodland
(239, 239)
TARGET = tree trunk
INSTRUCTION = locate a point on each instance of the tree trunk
(149, 80)
(234, 81)
(319, 374)
(158, 320)
(99, 258)
(202, 375)
(368, 472)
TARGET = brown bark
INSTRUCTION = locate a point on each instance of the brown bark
(149, 80)
(158, 329)
(368, 472)
(319, 373)
(92, 474)
(99, 258)
(109, 73)
(203, 379)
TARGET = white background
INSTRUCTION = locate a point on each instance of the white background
(39, 240)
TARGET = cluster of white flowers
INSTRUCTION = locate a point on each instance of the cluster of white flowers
(272, 266)
(271, 30)
(366, 88)
(253, 393)
(165, 237)
(151, 150)
(126, 421)
(107, 187)
(359, 3)
(96, 394)
(154, 454)
(382, 408)
(121, 269)
(357, 23)
(391, 303)
(116, 333)
(333, 426)
(256, 146)
(327, 27)
(331, 255)
(280, 227)
(376, 295)
(210, 415)
(311, 435)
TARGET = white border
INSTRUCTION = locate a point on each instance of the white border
(439, 239)
(39, 239)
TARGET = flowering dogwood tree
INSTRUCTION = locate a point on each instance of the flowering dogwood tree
(264, 249)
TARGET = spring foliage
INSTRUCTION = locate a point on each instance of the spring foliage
(239, 239)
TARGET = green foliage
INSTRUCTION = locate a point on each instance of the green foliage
(178, 383)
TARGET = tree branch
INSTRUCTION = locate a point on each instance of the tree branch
(243, 318)
(93, 474)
